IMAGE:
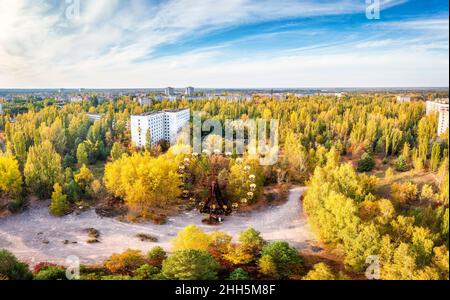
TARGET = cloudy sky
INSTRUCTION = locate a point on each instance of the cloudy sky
(222, 43)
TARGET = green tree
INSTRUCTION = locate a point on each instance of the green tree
(117, 151)
(366, 163)
(12, 269)
(82, 154)
(190, 265)
(156, 256)
(239, 274)
(287, 260)
(435, 157)
(400, 164)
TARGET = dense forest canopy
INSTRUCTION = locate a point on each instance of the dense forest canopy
(344, 149)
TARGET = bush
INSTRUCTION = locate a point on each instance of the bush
(51, 273)
(404, 193)
(279, 260)
(125, 263)
(156, 256)
(400, 164)
(190, 265)
(12, 269)
(117, 277)
(15, 205)
(366, 163)
(146, 272)
(320, 271)
(239, 274)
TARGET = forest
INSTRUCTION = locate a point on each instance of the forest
(376, 172)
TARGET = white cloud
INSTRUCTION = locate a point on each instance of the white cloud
(39, 47)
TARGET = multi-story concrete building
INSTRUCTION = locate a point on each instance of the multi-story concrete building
(440, 106)
(443, 120)
(189, 91)
(160, 125)
(169, 91)
(1, 108)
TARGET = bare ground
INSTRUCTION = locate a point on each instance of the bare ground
(35, 236)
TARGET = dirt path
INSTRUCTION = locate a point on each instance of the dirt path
(36, 236)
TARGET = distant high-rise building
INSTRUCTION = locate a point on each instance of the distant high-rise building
(440, 106)
(189, 91)
(169, 91)
(160, 125)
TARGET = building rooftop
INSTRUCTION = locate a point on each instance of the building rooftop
(159, 112)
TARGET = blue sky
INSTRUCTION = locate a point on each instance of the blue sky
(228, 43)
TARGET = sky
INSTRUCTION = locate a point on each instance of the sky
(223, 43)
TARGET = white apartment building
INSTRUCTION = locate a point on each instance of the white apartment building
(440, 106)
(162, 125)
(443, 120)
(1, 108)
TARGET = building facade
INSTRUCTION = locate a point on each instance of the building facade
(189, 91)
(169, 91)
(161, 125)
(441, 107)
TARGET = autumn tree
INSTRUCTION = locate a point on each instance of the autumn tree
(42, 169)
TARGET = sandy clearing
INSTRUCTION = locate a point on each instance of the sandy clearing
(35, 236)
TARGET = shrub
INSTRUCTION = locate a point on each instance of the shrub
(15, 205)
(284, 260)
(401, 165)
(320, 271)
(51, 273)
(366, 163)
(404, 193)
(156, 256)
(146, 272)
(190, 265)
(427, 193)
(239, 274)
(42, 265)
(125, 263)
(116, 277)
(12, 269)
